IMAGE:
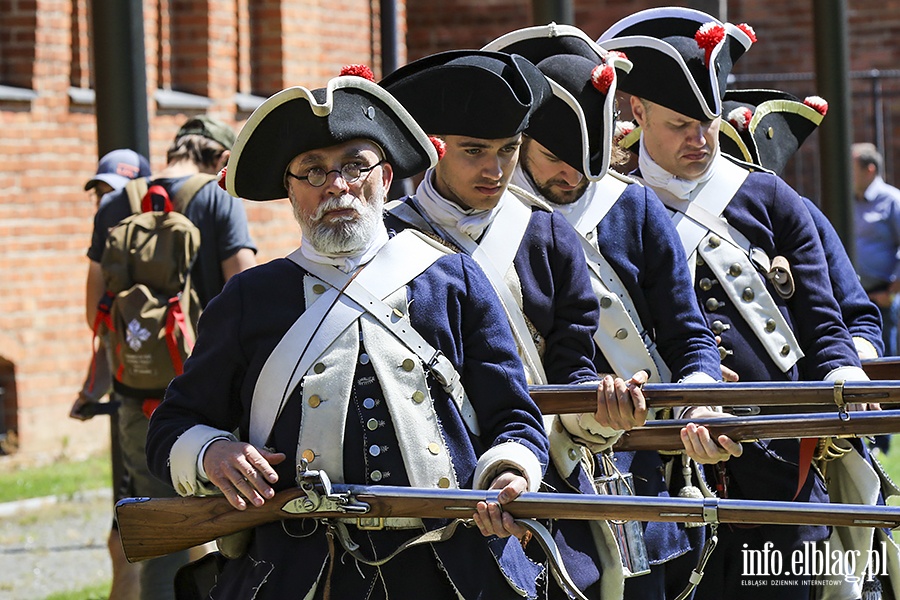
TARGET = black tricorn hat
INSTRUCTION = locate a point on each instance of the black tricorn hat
(682, 57)
(487, 95)
(296, 120)
(766, 127)
(576, 124)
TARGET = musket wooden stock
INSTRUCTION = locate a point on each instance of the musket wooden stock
(560, 399)
(665, 434)
(154, 527)
(882, 368)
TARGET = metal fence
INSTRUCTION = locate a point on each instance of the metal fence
(875, 109)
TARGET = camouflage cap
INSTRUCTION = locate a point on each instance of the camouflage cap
(208, 127)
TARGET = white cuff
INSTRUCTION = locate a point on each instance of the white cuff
(847, 374)
(698, 377)
(865, 348)
(504, 456)
(183, 459)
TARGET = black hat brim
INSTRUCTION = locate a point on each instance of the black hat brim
(296, 120)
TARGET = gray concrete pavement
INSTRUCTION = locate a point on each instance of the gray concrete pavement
(50, 545)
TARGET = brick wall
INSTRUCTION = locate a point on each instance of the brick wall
(48, 149)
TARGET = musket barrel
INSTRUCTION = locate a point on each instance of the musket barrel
(561, 399)
(665, 435)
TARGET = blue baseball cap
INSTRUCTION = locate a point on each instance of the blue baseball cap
(116, 168)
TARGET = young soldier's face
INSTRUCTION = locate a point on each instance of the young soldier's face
(339, 216)
(474, 172)
(683, 146)
(554, 179)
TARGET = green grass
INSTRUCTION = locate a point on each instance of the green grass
(98, 591)
(60, 478)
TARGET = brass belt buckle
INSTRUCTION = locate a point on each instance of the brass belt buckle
(370, 523)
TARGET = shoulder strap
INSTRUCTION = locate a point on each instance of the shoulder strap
(136, 190)
(189, 189)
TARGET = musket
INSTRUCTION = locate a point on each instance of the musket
(664, 435)
(154, 527)
(560, 399)
(882, 368)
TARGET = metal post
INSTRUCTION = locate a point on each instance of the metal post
(877, 110)
(559, 11)
(832, 70)
(120, 76)
(390, 52)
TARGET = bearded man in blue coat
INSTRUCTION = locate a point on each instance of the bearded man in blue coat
(376, 359)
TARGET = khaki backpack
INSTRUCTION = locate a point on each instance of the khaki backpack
(150, 310)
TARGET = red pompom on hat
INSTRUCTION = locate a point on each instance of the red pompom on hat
(623, 129)
(740, 118)
(439, 145)
(748, 30)
(708, 37)
(222, 178)
(817, 103)
(602, 77)
(359, 71)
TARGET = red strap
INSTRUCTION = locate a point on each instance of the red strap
(149, 405)
(102, 317)
(175, 317)
(158, 191)
(807, 450)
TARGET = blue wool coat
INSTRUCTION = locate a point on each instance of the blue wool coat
(639, 241)
(453, 307)
(774, 218)
(556, 293)
(559, 302)
(860, 315)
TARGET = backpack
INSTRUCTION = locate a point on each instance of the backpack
(149, 313)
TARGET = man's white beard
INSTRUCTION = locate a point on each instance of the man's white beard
(345, 235)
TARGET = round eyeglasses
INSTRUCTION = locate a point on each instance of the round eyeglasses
(350, 173)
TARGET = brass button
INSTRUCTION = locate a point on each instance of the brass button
(605, 302)
(785, 350)
(408, 364)
(770, 325)
(397, 313)
(434, 448)
(319, 368)
(718, 327)
(319, 288)
(369, 403)
(418, 396)
(735, 270)
(700, 261)
(314, 400)
(747, 295)
(376, 475)
(714, 241)
(573, 454)
(712, 305)
(372, 424)
(443, 482)
(706, 284)
(308, 455)
(374, 450)
(621, 334)
(770, 133)
(723, 353)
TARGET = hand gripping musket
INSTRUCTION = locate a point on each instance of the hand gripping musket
(152, 527)
(559, 399)
(664, 435)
